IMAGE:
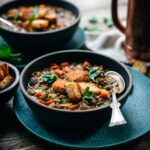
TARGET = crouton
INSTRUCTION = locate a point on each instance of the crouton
(6, 82)
(4, 68)
(1, 74)
(77, 75)
(59, 85)
(73, 91)
(52, 18)
(92, 88)
(42, 13)
(24, 14)
(140, 66)
(40, 24)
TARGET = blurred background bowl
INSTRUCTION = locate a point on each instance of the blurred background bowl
(37, 43)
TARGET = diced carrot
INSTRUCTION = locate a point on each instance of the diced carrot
(45, 103)
(99, 86)
(86, 64)
(10, 11)
(59, 72)
(64, 64)
(104, 93)
(41, 101)
(54, 67)
(71, 107)
(26, 24)
(59, 25)
(42, 6)
(25, 14)
(39, 93)
(49, 102)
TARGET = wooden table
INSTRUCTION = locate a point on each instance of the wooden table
(15, 137)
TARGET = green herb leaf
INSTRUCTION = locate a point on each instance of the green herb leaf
(16, 55)
(93, 74)
(89, 95)
(87, 89)
(31, 18)
(6, 53)
(108, 22)
(36, 11)
(16, 17)
(94, 29)
(49, 78)
(69, 80)
(93, 20)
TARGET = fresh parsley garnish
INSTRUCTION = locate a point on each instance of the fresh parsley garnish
(94, 29)
(93, 73)
(31, 18)
(89, 95)
(49, 78)
(7, 54)
(16, 17)
(93, 20)
(69, 80)
(108, 22)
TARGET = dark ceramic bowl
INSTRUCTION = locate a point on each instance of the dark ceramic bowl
(8, 93)
(43, 42)
(70, 118)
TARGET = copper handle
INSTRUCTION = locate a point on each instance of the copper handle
(116, 20)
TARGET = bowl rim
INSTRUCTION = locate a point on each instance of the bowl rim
(125, 94)
(16, 71)
(77, 20)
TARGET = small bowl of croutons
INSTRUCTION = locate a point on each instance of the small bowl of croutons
(9, 78)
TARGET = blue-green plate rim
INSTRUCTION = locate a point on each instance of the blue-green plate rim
(70, 145)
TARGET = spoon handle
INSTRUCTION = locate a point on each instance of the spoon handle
(116, 117)
(6, 22)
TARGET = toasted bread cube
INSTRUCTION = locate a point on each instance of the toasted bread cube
(4, 68)
(40, 24)
(1, 74)
(42, 13)
(73, 91)
(6, 82)
(92, 88)
(59, 85)
(140, 66)
(52, 18)
(25, 13)
(77, 75)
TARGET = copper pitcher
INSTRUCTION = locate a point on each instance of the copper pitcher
(137, 31)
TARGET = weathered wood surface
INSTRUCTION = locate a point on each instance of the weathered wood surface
(15, 137)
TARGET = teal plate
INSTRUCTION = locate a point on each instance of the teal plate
(136, 111)
(76, 42)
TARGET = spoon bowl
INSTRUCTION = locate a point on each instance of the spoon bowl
(10, 25)
(118, 78)
(116, 117)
